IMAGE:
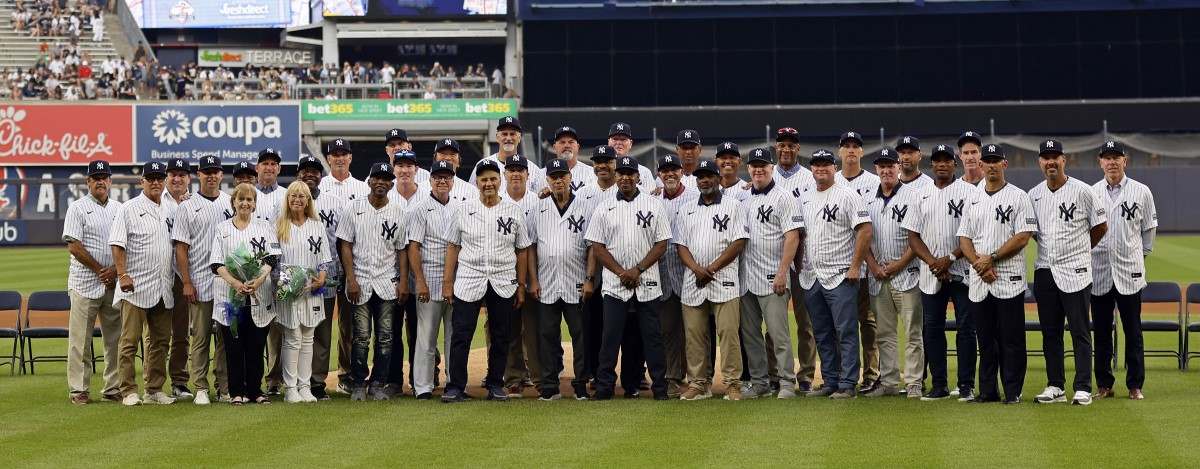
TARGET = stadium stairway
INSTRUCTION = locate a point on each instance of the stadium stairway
(21, 50)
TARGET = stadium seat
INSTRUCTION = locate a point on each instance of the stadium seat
(1166, 293)
(46, 317)
(1193, 300)
(10, 313)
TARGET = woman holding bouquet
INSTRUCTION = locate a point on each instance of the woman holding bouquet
(244, 252)
(303, 262)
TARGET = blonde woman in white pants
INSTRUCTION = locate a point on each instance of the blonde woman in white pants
(302, 243)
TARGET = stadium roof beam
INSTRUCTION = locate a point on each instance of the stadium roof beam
(440, 30)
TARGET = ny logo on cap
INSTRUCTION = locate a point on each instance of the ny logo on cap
(907, 139)
(508, 120)
(1050, 143)
(564, 129)
(687, 134)
(446, 142)
(339, 142)
(179, 163)
(395, 132)
(852, 134)
(991, 148)
(602, 150)
(667, 159)
(155, 166)
(625, 160)
(210, 160)
(943, 148)
(270, 150)
(557, 164)
(620, 126)
(704, 164)
(728, 145)
(1111, 144)
(99, 165)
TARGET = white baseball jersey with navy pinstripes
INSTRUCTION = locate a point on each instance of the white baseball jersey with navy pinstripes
(140, 229)
(801, 178)
(939, 213)
(768, 215)
(329, 211)
(921, 182)
(581, 175)
(268, 204)
(888, 239)
(800, 186)
(490, 238)
(592, 195)
(830, 219)
(706, 230)
(460, 190)
(376, 234)
(306, 246)
(427, 222)
(670, 268)
(348, 190)
(259, 238)
(1065, 217)
(89, 223)
(534, 183)
(169, 206)
(561, 248)
(1119, 259)
(196, 222)
(629, 229)
(864, 184)
(991, 220)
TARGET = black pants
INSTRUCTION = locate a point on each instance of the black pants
(593, 328)
(323, 335)
(1054, 306)
(617, 314)
(1000, 326)
(244, 356)
(934, 335)
(1131, 322)
(550, 350)
(405, 318)
(465, 319)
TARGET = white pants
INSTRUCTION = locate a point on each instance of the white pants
(429, 315)
(297, 356)
(97, 34)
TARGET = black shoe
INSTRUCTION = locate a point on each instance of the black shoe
(986, 399)
(1013, 400)
(320, 394)
(273, 390)
(804, 387)
(603, 396)
(497, 393)
(774, 386)
(425, 396)
(453, 395)
(633, 395)
(549, 395)
(581, 393)
(868, 386)
(936, 395)
(661, 396)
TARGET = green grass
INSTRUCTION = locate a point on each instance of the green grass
(42, 429)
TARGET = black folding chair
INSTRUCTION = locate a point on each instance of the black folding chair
(10, 305)
(47, 315)
(1193, 298)
(1170, 294)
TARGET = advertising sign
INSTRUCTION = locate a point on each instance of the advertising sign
(65, 134)
(404, 109)
(215, 13)
(415, 8)
(241, 57)
(232, 132)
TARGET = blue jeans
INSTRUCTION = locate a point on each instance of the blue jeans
(377, 312)
(935, 334)
(834, 315)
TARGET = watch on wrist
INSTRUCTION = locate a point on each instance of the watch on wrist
(953, 257)
(992, 255)
(641, 270)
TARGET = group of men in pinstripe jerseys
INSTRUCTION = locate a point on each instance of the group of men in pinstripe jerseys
(679, 271)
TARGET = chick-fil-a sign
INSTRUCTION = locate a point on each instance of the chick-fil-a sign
(65, 134)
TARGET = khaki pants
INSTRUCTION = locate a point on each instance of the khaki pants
(79, 342)
(806, 344)
(177, 360)
(894, 308)
(866, 327)
(698, 342)
(523, 362)
(154, 368)
(201, 315)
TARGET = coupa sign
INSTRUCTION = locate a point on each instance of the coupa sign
(232, 132)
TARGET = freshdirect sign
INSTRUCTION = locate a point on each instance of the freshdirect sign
(240, 57)
(54, 134)
(230, 131)
(441, 109)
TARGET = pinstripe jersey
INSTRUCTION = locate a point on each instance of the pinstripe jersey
(802, 178)
(581, 175)
(427, 222)
(527, 204)
(921, 182)
(89, 223)
(991, 220)
(1119, 259)
(421, 175)
(800, 186)
(196, 223)
(670, 268)
(864, 184)
(398, 198)
(306, 246)
(769, 215)
(348, 190)
(376, 235)
(561, 248)
(939, 213)
(269, 203)
(140, 228)
(830, 219)
(736, 191)
(592, 196)
(534, 183)
(259, 237)
(460, 191)
(628, 229)
(489, 238)
(329, 210)
(888, 239)
(1064, 218)
(169, 205)
(706, 230)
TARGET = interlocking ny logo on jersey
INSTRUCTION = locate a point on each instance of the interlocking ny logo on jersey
(327, 218)
(898, 213)
(644, 218)
(228, 213)
(1129, 211)
(314, 244)
(720, 223)
(829, 213)
(956, 209)
(1003, 215)
(505, 225)
(575, 223)
(170, 224)
(389, 230)
(764, 214)
(1066, 213)
(575, 185)
(259, 244)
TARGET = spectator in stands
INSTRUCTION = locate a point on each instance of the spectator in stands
(97, 22)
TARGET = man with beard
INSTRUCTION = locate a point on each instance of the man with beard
(508, 139)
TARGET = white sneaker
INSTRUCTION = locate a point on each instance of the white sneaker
(131, 399)
(1082, 398)
(306, 395)
(291, 396)
(158, 398)
(786, 393)
(1051, 395)
(201, 397)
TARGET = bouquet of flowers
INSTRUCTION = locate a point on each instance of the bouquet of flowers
(293, 279)
(243, 265)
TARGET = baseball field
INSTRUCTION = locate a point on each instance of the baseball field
(40, 428)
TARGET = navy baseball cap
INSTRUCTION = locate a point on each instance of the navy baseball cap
(851, 135)
(626, 163)
(395, 134)
(706, 166)
(516, 160)
(309, 161)
(823, 156)
(760, 155)
(603, 153)
(244, 167)
(154, 169)
(382, 170)
(993, 152)
(212, 162)
(178, 164)
(728, 148)
(338, 144)
(1050, 147)
(447, 143)
(687, 136)
(970, 136)
(669, 161)
(557, 166)
(908, 141)
(942, 150)
(487, 165)
(1112, 147)
(787, 133)
(441, 166)
(885, 156)
(509, 121)
(268, 153)
(565, 130)
(404, 155)
(620, 128)
(99, 168)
